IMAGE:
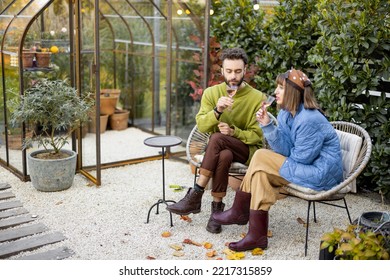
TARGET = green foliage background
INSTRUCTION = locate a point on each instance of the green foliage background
(344, 45)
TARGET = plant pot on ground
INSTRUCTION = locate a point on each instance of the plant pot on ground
(54, 106)
(108, 104)
(103, 123)
(113, 92)
(119, 120)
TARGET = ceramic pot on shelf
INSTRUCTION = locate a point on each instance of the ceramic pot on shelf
(43, 59)
(27, 59)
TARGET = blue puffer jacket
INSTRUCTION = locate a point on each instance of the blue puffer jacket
(311, 146)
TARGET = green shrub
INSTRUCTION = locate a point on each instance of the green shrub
(344, 45)
(236, 24)
(352, 58)
(289, 35)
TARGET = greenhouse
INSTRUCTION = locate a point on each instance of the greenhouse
(136, 57)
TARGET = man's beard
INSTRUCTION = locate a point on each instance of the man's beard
(238, 84)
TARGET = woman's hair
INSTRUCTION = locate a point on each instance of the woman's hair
(296, 93)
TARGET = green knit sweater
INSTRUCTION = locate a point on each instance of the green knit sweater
(242, 117)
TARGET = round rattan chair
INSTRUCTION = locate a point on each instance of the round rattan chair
(353, 166)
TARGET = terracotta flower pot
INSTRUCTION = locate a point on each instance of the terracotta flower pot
(103, 124)
(43, 59)
(113, 92)
(119, 120)
(27, 59)
(107, 105)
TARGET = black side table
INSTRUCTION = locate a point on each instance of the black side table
(162, 141)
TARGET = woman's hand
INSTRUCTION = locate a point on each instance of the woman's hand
(262, 115)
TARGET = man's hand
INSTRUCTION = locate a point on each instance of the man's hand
(224, 128)
(223, 103)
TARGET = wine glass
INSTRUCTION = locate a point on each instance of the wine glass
(269, 101)
(231, 91)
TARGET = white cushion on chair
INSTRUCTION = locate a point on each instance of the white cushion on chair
(303, 189)
(350, 147)
(238, 167)
(199, 158)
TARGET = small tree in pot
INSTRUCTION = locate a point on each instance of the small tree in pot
(54, 106)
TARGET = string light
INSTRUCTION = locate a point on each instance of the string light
(179, 12)
(256, 7)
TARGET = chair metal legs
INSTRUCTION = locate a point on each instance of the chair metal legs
(315, 218)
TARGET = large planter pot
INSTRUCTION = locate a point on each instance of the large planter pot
(108, 104)
(103, 124)
(119, 120)
(50, 175)
(113, 92)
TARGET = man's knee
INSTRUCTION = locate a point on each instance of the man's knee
(216, 137)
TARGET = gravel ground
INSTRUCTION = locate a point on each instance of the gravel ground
(109, 222)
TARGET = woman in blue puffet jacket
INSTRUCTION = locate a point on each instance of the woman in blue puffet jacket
(305, 151)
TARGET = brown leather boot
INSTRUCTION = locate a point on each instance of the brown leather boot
(257, 233)
(238, 214)
(190, 203)
(212, 226)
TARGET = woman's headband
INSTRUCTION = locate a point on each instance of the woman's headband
(297, 79)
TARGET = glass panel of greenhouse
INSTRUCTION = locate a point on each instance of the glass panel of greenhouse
(135, 56)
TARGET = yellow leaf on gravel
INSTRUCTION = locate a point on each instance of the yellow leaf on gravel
(211, 253)
(207, 245)
(176, 247)
(186, 218)
(257, 252)
(178, 253)
(166, 234)
(236, 256)
(227, 251)
(232, 255)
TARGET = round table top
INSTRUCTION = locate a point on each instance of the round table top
(163, 141)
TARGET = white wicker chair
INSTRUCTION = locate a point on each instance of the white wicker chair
(196, 145)
(356, 155)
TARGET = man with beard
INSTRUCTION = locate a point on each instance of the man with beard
(231, 118)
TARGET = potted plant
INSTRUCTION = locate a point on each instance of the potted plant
(355, 243)
(58, 110)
